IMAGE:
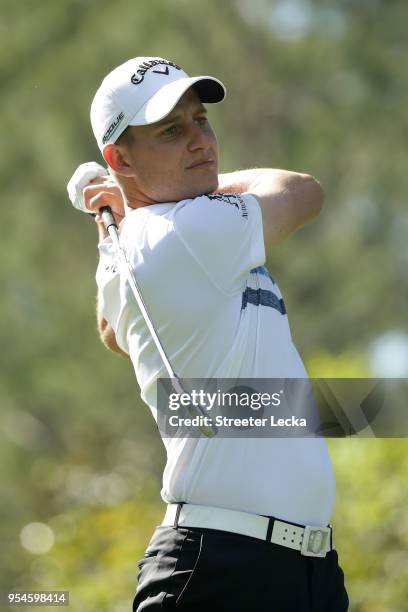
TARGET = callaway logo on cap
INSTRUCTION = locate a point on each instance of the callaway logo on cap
(143, 90)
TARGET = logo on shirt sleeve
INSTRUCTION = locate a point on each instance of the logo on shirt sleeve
(234, 199)
(111, 268)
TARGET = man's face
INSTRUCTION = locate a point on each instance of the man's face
(163, 156)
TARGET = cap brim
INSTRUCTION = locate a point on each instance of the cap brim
(163, 101)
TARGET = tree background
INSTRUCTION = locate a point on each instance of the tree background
(314, 86)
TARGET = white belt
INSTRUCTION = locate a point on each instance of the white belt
(310, 541)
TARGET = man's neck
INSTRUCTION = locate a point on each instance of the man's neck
(133, 196)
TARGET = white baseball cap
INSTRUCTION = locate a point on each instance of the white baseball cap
(141, 91)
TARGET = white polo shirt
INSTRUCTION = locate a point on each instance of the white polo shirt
(219, 314)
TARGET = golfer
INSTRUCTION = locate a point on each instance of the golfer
(247, 525)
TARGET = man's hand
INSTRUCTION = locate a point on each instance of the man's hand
(104, 191)
(91, 187)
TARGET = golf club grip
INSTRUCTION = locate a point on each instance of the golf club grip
(107, 217)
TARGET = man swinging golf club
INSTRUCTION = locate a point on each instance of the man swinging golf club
(247, 519)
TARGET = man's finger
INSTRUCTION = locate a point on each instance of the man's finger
(102, 198)
(94, 199)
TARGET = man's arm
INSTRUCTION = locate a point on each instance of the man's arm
(102, 190)
(288, 200)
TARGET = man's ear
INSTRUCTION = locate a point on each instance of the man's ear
(115, 157)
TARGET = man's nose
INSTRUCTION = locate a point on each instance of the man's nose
(198, 139)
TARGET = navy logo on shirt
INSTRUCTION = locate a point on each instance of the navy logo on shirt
(263, 297)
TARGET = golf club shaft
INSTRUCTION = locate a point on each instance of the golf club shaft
(112, 229)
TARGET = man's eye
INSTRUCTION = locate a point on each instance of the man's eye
(201, 120)
(170, 131)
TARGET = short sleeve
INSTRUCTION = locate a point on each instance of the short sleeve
(224, 234)
(108, 282)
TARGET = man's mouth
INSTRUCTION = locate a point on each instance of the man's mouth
(202, 163)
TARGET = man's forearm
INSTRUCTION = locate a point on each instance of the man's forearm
(240, 180)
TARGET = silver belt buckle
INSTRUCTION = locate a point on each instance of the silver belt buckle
(316, 541)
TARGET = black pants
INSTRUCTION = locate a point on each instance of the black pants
(217, 571)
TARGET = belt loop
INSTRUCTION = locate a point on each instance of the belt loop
(331, 536)
(269, 530)
(176, 518)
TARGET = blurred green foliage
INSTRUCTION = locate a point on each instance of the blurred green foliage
(315, 86)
